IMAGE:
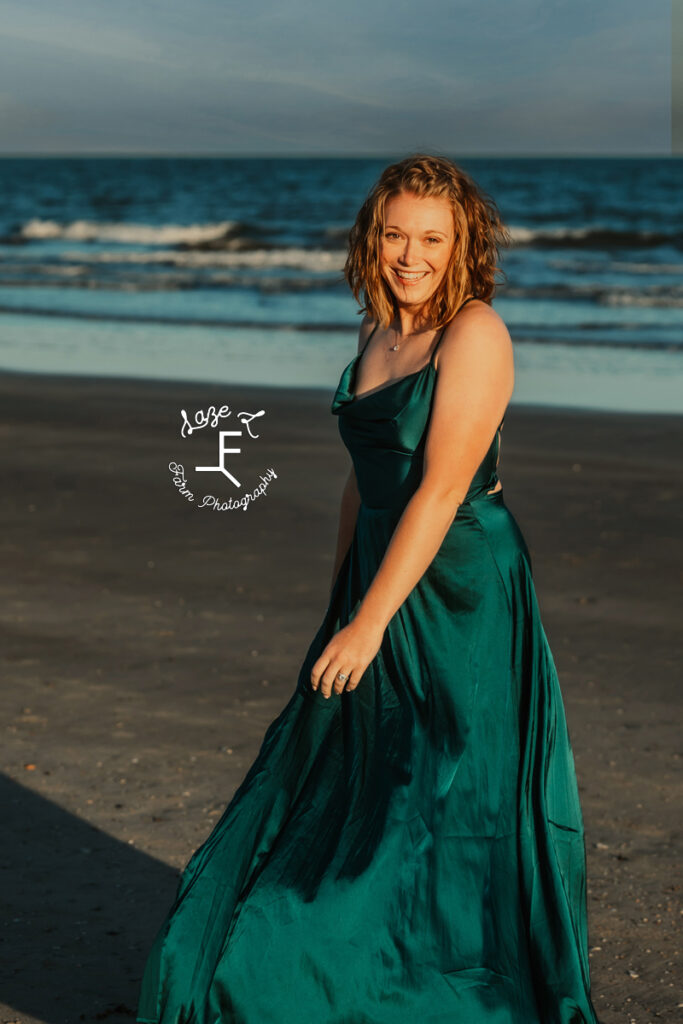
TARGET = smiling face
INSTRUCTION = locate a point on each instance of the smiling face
(415, 247)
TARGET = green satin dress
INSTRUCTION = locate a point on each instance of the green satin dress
(411, 850)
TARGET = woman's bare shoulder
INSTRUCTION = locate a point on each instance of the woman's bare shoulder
(478, 320)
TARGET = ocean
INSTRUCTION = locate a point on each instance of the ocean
(230, 271)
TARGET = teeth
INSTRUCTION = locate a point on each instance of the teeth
(411, 277)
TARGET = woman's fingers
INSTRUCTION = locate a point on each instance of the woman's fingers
(340, 684)
(350, 651)
(330, 680)
(317, 670)
(326, 679)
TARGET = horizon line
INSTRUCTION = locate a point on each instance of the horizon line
(136, 154)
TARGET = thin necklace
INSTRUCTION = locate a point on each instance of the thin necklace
(395, 346)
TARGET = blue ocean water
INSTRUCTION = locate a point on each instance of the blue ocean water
(231, 270)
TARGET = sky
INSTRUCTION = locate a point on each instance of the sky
(677, 76)
(363, 77)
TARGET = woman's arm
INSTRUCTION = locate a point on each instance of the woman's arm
(474, 384)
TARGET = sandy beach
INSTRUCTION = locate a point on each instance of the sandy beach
(148, 643)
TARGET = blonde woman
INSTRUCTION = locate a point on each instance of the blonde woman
(408, 844)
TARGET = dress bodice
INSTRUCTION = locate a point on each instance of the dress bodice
(385, 432)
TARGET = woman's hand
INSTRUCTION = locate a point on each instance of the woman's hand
(350, 651)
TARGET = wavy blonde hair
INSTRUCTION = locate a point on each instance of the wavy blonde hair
(479, 235)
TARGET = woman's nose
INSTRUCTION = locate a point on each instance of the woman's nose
(408, 249)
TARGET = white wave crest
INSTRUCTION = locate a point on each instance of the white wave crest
(142, 234)
(669, 299)
(526, 235)
(303, 259)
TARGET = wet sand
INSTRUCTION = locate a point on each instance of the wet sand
(148, 643)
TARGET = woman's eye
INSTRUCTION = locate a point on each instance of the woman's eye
(394, 234)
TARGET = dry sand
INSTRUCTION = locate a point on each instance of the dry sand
(148, 643)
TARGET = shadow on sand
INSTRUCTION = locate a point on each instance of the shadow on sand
(80, 911)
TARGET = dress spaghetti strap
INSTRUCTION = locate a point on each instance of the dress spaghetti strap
(367, 340)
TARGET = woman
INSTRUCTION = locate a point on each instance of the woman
(408, 843)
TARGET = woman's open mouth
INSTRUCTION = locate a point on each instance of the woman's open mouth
(410, 278)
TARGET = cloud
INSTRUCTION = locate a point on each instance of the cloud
(509, 77)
